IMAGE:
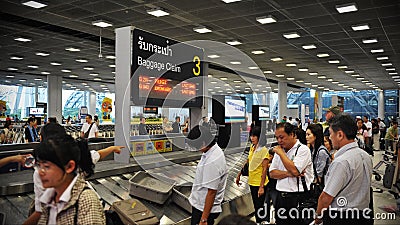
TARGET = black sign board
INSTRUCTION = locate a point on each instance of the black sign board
(165, 72)
(150, 110)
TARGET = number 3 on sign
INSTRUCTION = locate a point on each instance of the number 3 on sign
(196, 70)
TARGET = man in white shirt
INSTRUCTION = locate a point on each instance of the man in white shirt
(292, 160)
(210, 180)
(368, 139)
(89, 126)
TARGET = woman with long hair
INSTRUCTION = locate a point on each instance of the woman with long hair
(258, 160)
(319, 153)
(67, 198)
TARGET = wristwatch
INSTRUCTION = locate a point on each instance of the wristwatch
(203, 221)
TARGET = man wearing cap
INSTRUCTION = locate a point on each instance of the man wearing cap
(331, 112)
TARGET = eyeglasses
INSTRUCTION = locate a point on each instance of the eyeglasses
(41, 167)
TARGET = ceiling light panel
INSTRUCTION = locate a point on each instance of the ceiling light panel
(102, 23)
(34, 4)
(276, 59)
(231, 1)
(322, 55)
(291, 35)
(266, 19)
(257, 52)
(213, 56)
(157, 12)
(307, 47)
(21, 39)
(234, 42)
(382, 58)
(334, 61)
(360, 27)
(345, 8)
(202, 30)
(370, 41)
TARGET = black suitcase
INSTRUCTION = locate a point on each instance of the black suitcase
(132, 211)
(388, 176)
(382, 144)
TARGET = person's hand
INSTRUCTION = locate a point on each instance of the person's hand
(20, 158)
(260, 191)
(238, 180)
(203, 222)
(117, 149)
(279, 150)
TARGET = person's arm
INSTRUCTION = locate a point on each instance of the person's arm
(105, 152)
(33, 219)
(240, 173)
(289, 164)
(96, 134)
(265, 163)
(209, 201)
(324, 201)
(15, 158)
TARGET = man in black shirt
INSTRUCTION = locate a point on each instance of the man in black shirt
(176, 126)
(142, 126)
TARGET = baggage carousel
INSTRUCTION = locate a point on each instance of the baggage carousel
(111, 181)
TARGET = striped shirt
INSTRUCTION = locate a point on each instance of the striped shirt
(349, 178)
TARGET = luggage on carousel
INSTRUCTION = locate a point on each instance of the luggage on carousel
(388, 176)
(132, 211)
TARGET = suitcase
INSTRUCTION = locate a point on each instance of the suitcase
(382, 144)
(388, 176)
(132, 211)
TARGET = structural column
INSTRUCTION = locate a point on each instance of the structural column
(123, 53)
(319, 111)
(54, 97)
(381, 105)
(282, 99)
(92, 103)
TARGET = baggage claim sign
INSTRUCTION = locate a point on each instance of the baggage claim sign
(165, 72)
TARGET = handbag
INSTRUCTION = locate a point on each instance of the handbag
(245, 170)
(307, 203)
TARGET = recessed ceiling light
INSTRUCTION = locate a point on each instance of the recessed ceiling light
(390, 69)
(112, 66)
(37, 79)
(73, 76)
(349, 71)
(340, 84)
(313, 73)
(364, 81)
(360, 27)
(334, 61)
(237, 81)
(34, 4)
(55, 64)
(395, 77)
(377, 50)
(303, 69)
(231, 1)
(66, 71)
(45, 73)
(234, 42)
(280, 75)
(307, 83)
(267, 71)
(81, 60)
(16, 58)
(370, 40)
(291, 35)
(72, 49)
(322, 55)
(22, 80)
(266, 19)
(21, 39)
(290, 78)
(395, 73)
(345, 8)
(329, 80)
(253, 67)
(42, 54)
(257, 52)
(299, 81)
(10, 76)
(157, 12)
(360, 78)
(88, 68)
(12, 69)
(321, 77)
(307, 47)
(213, 56)
(314, 85)
(235, 62)
(110, 57)
(387, 64)
(223, 78)
(382, 58)
(101, 23)
(291, 64)
(97, 79)
(355, 75)
(202, 30)
(276, 59)
(342, 67)
(33, 66)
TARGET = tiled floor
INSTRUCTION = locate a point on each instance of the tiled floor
(381, 200)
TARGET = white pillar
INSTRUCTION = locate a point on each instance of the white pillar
(381, 105)
(54, 97)
(123, 53)
(282, 100)
(36, 94)
(319, 112)
(92, 103)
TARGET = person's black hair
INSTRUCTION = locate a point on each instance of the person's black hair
(288, 128)
(199, 136)
(86, 165)
(257, 131)
(60, 149)
(31, 119)
(52, 119)
(317, 131)
(235, 219)
(177, 117)
(300, 135)
(395, 122)
(52, 129)
(345, 123)
(90, 116)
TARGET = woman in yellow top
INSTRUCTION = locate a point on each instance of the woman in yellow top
(258, 165)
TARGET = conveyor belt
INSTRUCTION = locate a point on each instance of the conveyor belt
(115, 187)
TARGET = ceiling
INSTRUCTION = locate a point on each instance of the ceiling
(68, 23)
